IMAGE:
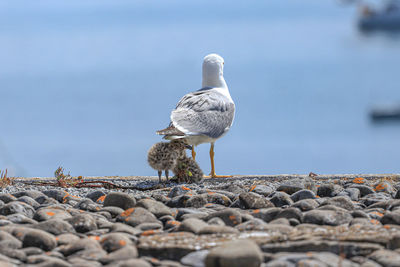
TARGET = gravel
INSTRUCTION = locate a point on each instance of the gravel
(296, 220)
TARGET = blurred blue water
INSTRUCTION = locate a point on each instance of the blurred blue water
(85, 84)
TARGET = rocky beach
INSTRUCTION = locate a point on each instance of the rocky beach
(281, 220)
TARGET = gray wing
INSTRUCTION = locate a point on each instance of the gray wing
(204, 112)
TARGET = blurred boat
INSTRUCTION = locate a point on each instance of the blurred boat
(385, 113)
(387, 18)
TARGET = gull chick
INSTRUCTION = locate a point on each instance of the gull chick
(205, 115)
(187, 170)
(163, 156)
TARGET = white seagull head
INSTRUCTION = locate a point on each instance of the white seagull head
(213, 71)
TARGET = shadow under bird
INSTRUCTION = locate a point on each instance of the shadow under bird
(205, 115)
(163, 156)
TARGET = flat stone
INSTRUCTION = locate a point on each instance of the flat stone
(217, 229)
(235, 253)
(133, 262)
(66, 239)
(290, 213)
(254, 201)
(114, 211)
(18, 218)
(44, 214)
(350, 248)
(40, 239)
(124, 253)
(46, 261)
(136, 216)
(195, 259)
(78, 245)
(305, 204)
(192, 225)
(230, 217)
(114, 241)
(386, 258)
(339, 201)
(55, 227)
(326, 217)
(157, 208)
(119, 199)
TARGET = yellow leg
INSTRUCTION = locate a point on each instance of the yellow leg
(193, 153)
(213, 174)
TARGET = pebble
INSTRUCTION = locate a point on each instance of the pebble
(292, 222)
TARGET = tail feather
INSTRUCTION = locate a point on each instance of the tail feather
(171, 130)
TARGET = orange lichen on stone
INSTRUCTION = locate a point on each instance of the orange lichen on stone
(377, 213)
(309, 254)
(317, 196)
(233, 219)
(148, 232)
(185, 188)
(101, 199)
(380, 186)
(256, 211)
(50, 213)
(122, 242)
(386, 227)
(359, 180)
(252, 188)
(173, 223)
(57, 238)
(94, 237)
(373, 221)
(65, 197)
(97, 208)
(127, 212)
(210, 192)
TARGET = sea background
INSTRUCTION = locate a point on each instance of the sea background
(85, 85)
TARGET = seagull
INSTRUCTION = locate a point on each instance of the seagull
(205, 115)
